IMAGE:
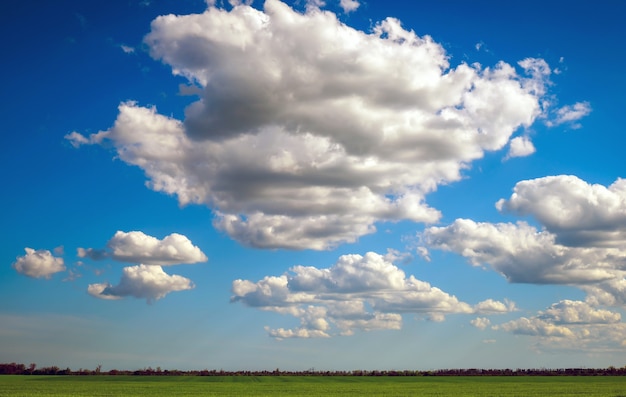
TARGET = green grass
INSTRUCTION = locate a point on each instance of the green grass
(41, 385)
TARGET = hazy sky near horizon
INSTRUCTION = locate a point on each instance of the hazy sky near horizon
(313, 184)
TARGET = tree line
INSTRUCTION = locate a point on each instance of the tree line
(32, 369)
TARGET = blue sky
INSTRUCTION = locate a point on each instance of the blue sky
(336, 185)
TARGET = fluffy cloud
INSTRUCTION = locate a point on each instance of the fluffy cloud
(577, 312)
(580, 244)
(143, 282)
(38, 264)
(137, 247)
(357, 293)
(579, 213)
(521, 146)
(491, 306)
(480, 322)
(534, 327)
(349, 5)
(301, 137)
(523, 254)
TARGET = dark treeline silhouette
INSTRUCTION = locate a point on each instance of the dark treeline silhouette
(32, 369)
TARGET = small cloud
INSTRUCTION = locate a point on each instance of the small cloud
(59, 250)
(489, 341)
(143, 282)
(91, 253)
(138, 247)
(38, 264)
(520, 146)
(395, 256)
(437, 317)
(77, 140)
(349, 5)
(492, 306)
(535, 327)
(127, 49)
(480, 322)
(570, 115)
(423, 252)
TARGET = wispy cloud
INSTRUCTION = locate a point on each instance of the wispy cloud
(570, 115)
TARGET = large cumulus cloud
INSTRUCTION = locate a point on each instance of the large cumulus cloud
(359, 292)
(307, 132)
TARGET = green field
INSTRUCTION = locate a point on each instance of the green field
(42, 385)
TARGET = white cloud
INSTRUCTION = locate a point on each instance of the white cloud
(570, 114)
(578, 213)
(301, 137)
(480, 322)
(143, 282)
(535, 327)
(282, 333)
(349, 5)
(357, 293)
(571, 323)
(523, 254)
(580, 242)
(491, 306)
(520, 146)
(577, 312)
(137, 247)
(38, 264)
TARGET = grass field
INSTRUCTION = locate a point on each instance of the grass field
(41, 385)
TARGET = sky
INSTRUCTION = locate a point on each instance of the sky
(334, 185)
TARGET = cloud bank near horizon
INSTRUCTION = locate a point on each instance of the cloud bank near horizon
(359, 292)
(579, 244)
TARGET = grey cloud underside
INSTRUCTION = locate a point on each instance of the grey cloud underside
(308, 132)
(578, 213)
(525, 255)
(581, 243)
